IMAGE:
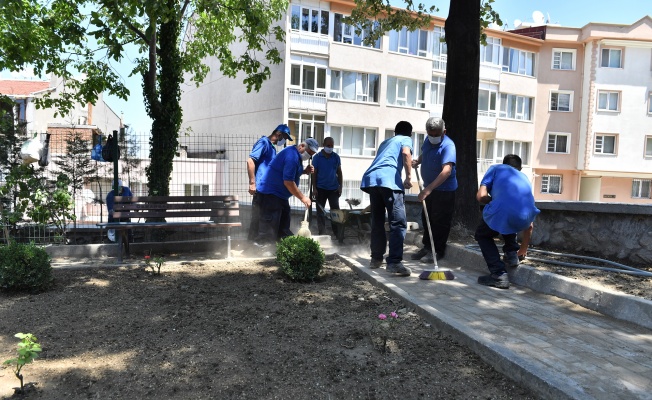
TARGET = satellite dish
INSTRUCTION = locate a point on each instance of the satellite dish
(538, 17)
(517, 23)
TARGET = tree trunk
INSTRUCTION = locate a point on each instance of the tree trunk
(461, 103)
(165, 112)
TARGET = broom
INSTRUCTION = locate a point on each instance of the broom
(305, 225)
(440, 274)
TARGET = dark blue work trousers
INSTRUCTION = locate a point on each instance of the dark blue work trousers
(385, 200)
(274, 222)
(484, 235)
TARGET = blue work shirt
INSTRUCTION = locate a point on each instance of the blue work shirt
(326, 168)
(286, 166)
(262, 153)
(511, 208)
(433, 158)
(110, 198)
(385, 170)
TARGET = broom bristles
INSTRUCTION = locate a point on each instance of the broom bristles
(437, 275)
(304, 230)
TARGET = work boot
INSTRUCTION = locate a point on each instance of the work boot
(500, 281)
(420, 254)
(399, 269)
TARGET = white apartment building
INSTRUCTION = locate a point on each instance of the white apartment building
(331, 84)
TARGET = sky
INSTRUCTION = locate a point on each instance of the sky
(573, 13)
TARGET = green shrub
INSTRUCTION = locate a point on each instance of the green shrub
(24, 267)
(300, 258)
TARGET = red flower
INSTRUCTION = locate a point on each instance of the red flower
(146, 257)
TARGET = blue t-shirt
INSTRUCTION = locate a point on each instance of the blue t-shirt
(385, 170)
(286, 166)
(262, 153)
(433, 158)
(511, 208)
(110, 198)
(326, 168)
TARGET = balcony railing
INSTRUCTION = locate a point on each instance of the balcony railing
(307, 99)
(439, 63)
(490, 72)
(486, 119)
(308, 43)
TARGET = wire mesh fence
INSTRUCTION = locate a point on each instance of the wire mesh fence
(205, 164)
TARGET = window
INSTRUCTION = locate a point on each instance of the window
(438, 43)
(641, 188)
(308, 77)
(418, 138)
(558, 143)
(563, 59)
(649, 103)
(353, 140)
(551, 184)
(611, 58)
(406, 42)
(190, 189)
(608, 101)
(561, 101)
(516, 107)
(505, 147)
(437, 89)
(487, 101)
(605, 144)
(518, 61)
(491, 52)
(354, 86)
(303, 126)
(307, 19)
(345, 33)
(405, 92)
(648, 146)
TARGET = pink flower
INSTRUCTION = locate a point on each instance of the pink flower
(146, 257)
(394, 315)
(382, 316)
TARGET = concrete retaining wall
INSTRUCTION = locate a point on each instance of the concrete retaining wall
(607, 230)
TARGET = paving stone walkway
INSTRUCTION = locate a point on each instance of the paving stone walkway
(557, 348)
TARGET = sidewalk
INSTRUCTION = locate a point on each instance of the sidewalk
(553, 346)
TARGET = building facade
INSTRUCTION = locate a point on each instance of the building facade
(539, 94)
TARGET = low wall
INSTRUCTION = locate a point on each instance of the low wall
(611, 230)
(606, 230)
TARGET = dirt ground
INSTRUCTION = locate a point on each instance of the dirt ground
(234, 330)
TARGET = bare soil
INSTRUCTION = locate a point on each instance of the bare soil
(233, 330)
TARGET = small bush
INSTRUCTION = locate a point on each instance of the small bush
(300, 258)
(24, 267)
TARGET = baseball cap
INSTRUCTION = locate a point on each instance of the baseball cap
(312, 144)
(286, 131)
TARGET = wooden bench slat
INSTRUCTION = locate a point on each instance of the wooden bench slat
(173, 214)
(172, 199)
(184, 206)
(154, 225)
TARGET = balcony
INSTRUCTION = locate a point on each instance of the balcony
(439, 63)
(487, 120)
(436, 110)
(309, 43)
(490, 72)
(307, 99)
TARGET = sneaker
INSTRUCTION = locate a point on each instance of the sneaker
(428, 258)
(420, 254)
(499, 281)
(399, 269)
(375, 263)
(510, 259)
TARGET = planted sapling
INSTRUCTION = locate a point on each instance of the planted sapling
(28, 350)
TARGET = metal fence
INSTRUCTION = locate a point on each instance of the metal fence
(205, 164)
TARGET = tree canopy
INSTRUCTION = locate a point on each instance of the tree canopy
(70, 38)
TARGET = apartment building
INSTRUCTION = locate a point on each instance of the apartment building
(530, 102)
(594, 118)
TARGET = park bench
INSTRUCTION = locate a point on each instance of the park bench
(160, 212)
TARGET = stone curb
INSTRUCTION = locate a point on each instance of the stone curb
(506, 361)
(621, 306)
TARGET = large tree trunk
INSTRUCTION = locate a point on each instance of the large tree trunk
(461, 102)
